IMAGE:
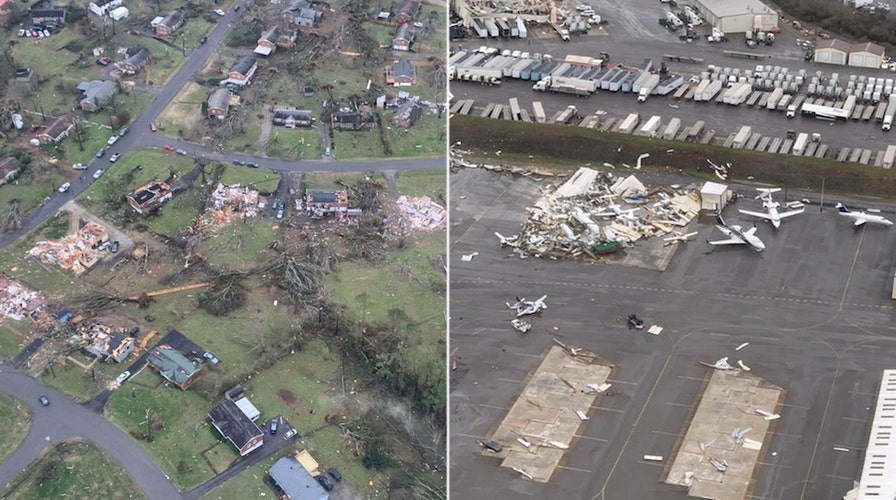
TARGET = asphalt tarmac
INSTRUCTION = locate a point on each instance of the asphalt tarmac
(815, 307)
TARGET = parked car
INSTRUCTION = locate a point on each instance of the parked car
(280, 214)
(334, 474)
(46, 33)
(238, 162)
(101, 152)
(98, 173)
(203, 39)
(112, 140)
(44, 401)
(123, 132)
(63, 188)
(327, 151)
(274, 425)
(211, 357)
(219, 12)
(492, 445)
(152, 126)
(79, 166)
(322, 479)
(114, 157)
(21, 33)
(168, 147)
(182, 152)
(104, 245)
(124, 376)
(114, 249)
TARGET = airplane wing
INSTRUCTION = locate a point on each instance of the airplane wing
(790, 213)
(730, 241)
(761, 215)
(750, 232)
(859, 222)
(724, 230)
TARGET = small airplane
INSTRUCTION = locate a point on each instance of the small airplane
(771, 206)
(617, 211)
(678, 238)
(861, 218)
(738, 236)
(511, 241)
(525, 307)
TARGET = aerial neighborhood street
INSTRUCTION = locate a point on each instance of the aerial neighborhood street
(182, 313)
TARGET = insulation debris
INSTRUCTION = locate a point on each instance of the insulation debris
(594, 213)
(421, 212)
(77, 251)
(18, 301)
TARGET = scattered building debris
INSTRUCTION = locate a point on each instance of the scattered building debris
(745, 344)
(524, 442)
(521, 325)
(230, 203)
(720, 465)
(421, 212)
(581, 415)
(584, 216)
(18, 301)
(655, 330)
(104, 342)
(840, 448)
(743, 366)
(721, 364)
(653, 458)
(525, 307)
(468, 257)
(704, 446)
(523, 473)
(738, 434)
(78, 251)
(767, 414)
(752, 444)
(599, 388)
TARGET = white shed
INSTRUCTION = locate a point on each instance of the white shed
(866, 55)
(713, 196)
(119, 13)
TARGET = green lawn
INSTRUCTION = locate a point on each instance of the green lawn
(244, 141)
(248, 483)
(285, 141)
(356, 144)
(261, 179)
(16, 421)
(32, 187)
(432, 183)
(186, 432)
(241, 244)
(80, 383)
(10, 341)
(74, 468)
(328, 180)
(341, 73)
(426, 137)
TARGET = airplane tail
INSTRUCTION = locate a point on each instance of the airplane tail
(842, 208)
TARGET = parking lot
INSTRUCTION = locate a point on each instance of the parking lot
(814, 307)
(632, 35)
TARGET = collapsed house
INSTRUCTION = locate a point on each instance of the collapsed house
(104, 342)
(334, 202)
(77, 251)
(230, 203)
(18, 301)
(420, 212)
(594, 213)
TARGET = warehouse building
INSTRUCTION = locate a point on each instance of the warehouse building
(832, 51)
(738, 16)
(866, 55)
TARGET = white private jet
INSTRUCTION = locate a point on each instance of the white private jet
(738, 236)
(525, 307)
(860, 218)
(771, 206)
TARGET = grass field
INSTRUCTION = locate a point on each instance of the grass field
(78, 469)
(432, 183)
(283, 140)
(32, 187)
(247, 484)
(427, 137)
(260, 179)
(186, 432)
(16, 421)
(10, 341)
(80, 383)
(241, 245)
(182, 114)
(328, 180)
(357, 144)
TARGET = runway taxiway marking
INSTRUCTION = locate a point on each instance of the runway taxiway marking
(591, 438)
(528, 355)
(493, 407)
(852, 269)
(851, 419)
(832, 476)
(607, 409)
(566, 467)
(511, 380)
(613, 381)
(655, 464)
(775, 465)
(664, 433)
(670, 403)
(691, 378)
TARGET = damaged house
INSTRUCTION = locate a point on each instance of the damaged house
(77, 251)
(173, 366)
(103, 7)
(273, 38)
(401, 73)
(292, 117)
(241, 72)
(106, 344)
(18, 301)
(56, 130)
(219, 104)
(96, 94)
(236, 427)
(302, 13)
(150, 197)
(322, 202)
(361, 117)
(9, 168)
(135, 62)
(167, 25)
(407, 113)
(408, 11)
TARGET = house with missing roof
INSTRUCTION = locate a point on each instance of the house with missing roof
(235, 426)
(173, 366)
(149, 197)
(303, 13)
(96, 94)
(167, 25)
(407, 113)
(290, 117)
(135, 62)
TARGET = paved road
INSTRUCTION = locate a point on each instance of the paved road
(65, 419)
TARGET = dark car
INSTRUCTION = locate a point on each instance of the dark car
(492, 445)
(44, 401)
(203, 39)
(334, 474)
(114, 247)
(122, 131)
(239, 162)
(102, 62)
(274, 425)
(252, 164)
(322, 479)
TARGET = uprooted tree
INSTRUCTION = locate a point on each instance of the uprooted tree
(226, 293)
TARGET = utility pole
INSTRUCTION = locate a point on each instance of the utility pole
(821, 205)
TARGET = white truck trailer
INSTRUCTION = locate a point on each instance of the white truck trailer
(799, 145)
(538, 111)
(628, 125)
(887, 123)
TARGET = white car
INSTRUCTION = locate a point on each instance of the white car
(219, 12)
(124, 376)
(63, 188)
(112, 140)
(79, 166)
(98, 173)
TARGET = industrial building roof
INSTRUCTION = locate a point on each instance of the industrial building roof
(833, 43)
(869, 47)
(726, 8)
(879, 469)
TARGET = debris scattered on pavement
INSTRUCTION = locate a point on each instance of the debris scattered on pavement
(525, 307)
(521, 325)
(745, 344)
(743, 366)
(655, 330)
(468, 257)
(721, 364)
(720, 465)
